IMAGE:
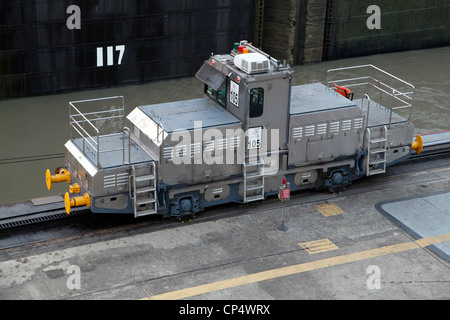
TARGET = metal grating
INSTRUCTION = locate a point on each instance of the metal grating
(330, 209)
(42, 217)
(317, 246)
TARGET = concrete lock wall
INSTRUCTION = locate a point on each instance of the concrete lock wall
(402, 25)
(51, 46)
(306, 31)
(48, 46)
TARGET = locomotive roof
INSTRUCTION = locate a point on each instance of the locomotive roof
(181, 115)
(214, 71)
(316, 97)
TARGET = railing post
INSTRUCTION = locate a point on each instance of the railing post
(98, 150)
(126, 131)
(368, 109)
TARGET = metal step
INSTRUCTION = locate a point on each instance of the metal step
(377, 171)
(145, 178)
(144, 190)
(144, 196)
(254, 198)
(146, 212)
(372, 162)
(254, 187)
(144, 201)
(378, 140)
(254, 164)
(255, 175)
(375, 151)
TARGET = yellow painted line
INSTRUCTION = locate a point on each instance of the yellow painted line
(424, 242)
(330, 209)
(299, 268)
(317, 246)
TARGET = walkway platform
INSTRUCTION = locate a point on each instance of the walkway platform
(422, 217)
(436, 138)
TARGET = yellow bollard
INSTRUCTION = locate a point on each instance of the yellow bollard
(417, 145)
(63, 176)
(75, 188)
(83, 200)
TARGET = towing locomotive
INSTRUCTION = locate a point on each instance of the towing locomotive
(251, 130)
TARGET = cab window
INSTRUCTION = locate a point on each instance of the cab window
(256, 102)
(219, 95)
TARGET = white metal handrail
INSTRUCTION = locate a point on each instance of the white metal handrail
(84, 134)
(126, 132)
(91, 135)
(160, 133)
(397, 98)
(373, 67)
(368, 108)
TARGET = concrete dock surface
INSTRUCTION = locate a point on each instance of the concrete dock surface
(366, 244)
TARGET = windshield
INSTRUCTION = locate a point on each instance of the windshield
(218, 95)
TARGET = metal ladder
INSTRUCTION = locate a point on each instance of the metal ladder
(254, 180)
(143, 189)
(377, 146)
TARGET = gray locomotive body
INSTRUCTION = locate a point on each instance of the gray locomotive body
(251, 130)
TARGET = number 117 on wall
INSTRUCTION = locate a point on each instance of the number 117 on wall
(110, 55)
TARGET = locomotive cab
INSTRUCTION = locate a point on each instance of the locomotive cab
(255, 88)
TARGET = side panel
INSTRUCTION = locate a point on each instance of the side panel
(146, 132)
(275, 108)
(324, 136)
(400, 137)
(191, 157)
(80, 167)
(117, 203)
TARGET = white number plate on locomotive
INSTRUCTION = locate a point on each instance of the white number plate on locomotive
(254, 138)
(234, 93)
